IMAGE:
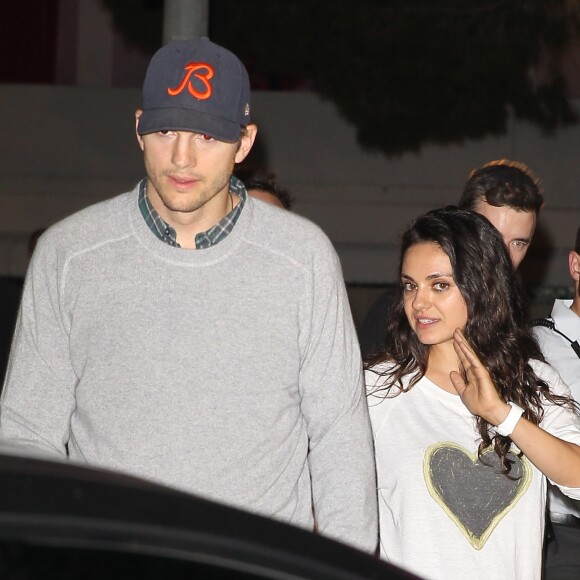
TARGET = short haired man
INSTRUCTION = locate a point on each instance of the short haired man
(140, 343)
(507, 194)
(263, 186)
(560, 343)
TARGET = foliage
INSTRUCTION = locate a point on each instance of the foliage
(140, 21)
(410, 72)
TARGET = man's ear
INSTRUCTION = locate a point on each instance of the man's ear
(574, 263)
(138, 114)
(246, 142)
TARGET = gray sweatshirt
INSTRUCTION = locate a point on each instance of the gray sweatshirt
(232, 372)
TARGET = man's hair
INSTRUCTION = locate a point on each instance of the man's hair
(577, 244)
(503, 183)
(262, 181)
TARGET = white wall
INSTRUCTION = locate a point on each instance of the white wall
(63, 148)
(363, 200)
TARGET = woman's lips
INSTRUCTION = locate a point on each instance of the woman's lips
(425, 322)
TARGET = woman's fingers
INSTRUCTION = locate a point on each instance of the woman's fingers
(464, 346)
(458, 382)
(469, 360)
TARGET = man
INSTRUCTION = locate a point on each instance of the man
(263, 186)
(10, 294)
(506, 193)
(503, 191)
(140, 343)
(560, 343)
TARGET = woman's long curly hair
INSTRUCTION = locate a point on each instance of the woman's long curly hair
(496, 327)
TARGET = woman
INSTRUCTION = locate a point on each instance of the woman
(468, 421)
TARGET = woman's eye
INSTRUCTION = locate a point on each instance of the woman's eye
(407, 286)
(440, 286)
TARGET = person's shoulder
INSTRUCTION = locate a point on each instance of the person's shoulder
(539, 331)
(545, 337)
(551, 376)
(542, 369)
(552, 344)
(284, 222)
(288, 233)
(91, 225)
(381, 394)
(381, 367)
(99, 215)
(376, 375)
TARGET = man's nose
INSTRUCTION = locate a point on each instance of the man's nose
(184, 150)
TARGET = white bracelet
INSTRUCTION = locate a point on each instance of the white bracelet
(506, 428)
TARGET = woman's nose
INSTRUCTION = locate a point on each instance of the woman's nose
(422, 299)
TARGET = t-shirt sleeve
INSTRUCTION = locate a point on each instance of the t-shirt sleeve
(374, 381)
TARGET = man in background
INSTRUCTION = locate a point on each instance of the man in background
(507, 194)
(559, 338)
(265, 187)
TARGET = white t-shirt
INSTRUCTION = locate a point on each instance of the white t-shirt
(442, 514)
(560, 355)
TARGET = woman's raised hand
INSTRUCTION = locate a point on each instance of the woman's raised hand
(477, 391)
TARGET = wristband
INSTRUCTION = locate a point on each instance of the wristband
(506, 428)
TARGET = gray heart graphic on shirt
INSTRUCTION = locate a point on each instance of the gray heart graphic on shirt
(472, 491)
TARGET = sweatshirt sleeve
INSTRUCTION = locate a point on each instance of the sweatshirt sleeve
(38, 393)
(341, 456)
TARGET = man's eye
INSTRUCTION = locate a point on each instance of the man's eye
(207, 137)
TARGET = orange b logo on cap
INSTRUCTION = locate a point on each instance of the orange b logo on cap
(191, 68)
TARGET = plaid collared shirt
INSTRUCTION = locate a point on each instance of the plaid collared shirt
(203, 240)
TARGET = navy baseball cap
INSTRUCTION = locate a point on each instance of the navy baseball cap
(196, 85)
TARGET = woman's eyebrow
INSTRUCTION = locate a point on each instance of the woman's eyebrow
(429, 277)
(439, 275)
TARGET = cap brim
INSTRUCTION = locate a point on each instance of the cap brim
(153, 120)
